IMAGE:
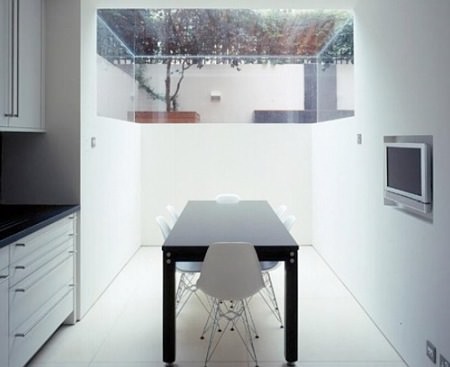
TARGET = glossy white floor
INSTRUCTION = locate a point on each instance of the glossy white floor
(123, 329)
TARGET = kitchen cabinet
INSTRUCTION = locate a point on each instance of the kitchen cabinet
(41, 287)
(4, 260)
(21, 65)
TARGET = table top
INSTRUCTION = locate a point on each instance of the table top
(202, 223)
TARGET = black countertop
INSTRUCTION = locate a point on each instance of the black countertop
(17, 221)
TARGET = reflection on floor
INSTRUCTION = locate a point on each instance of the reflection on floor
(123, 329)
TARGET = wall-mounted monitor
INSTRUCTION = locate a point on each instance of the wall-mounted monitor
(408, 175)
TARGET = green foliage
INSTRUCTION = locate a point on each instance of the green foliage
(224, 34)
(144, 84)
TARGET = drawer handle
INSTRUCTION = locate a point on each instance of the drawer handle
(20, 244)
(44, 316)
(23, 290)
(73, 252)
(20, 267)
(41, 279)
(3, 277)
(14, 89)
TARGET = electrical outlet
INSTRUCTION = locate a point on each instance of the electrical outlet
(431, 353)
(443, 362)
(358, 138)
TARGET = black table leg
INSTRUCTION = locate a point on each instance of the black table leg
(291, 309)
(169, 326)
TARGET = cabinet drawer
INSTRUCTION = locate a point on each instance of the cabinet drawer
(24, 343)
(42, 240)
(34, 291)
(4, 258)
(26, 266)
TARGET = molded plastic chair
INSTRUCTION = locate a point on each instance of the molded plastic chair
(163, 226)
(280, 210)
(231, 274)
(228, 198)
(174, 215)
(189, 271)
(289, 221)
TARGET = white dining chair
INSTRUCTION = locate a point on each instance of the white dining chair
(230, 275)
(189, 271)
(228, 198)
(289, 222)
(280, 211)
(174, 214)
(163, 226)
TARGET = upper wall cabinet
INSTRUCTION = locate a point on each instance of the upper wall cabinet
(21, 65)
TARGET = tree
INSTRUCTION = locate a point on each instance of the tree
(182, 38)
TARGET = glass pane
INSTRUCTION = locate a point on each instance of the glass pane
(335, 96)
(224, 65)
(116, 83)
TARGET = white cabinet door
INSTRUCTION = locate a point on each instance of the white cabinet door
(23, 56)
(3, 320)
(4, 59)
(4, 306)
(41, 287)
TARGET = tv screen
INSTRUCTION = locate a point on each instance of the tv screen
(404, 169)
(408, 170)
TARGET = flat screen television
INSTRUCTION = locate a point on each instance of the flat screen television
(408, 174)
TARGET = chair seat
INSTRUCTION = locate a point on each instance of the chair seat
(189, 266)
(268, 265)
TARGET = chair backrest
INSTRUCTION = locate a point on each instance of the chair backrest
(163, 226)
(230, 271)
(289, 221)
(280, 210)
(174, 215)
(228, 198)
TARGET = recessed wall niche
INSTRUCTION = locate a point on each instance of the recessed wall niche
(408, 174)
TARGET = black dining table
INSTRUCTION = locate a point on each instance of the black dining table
(202, 223)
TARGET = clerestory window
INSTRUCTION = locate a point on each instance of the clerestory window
(225, 65)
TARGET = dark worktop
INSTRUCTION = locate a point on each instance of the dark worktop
(17, 221)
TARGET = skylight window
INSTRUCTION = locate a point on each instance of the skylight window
(225, 65)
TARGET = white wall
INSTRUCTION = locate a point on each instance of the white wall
(396, 264)
(110, 179)
(254, 87)
(198, 161)
(115, 90)
(345, 83)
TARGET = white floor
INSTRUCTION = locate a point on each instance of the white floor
(123, 329)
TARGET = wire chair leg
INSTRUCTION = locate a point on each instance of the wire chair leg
(214, 329)
(269, 297)
(250, 330)
(186, 288)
